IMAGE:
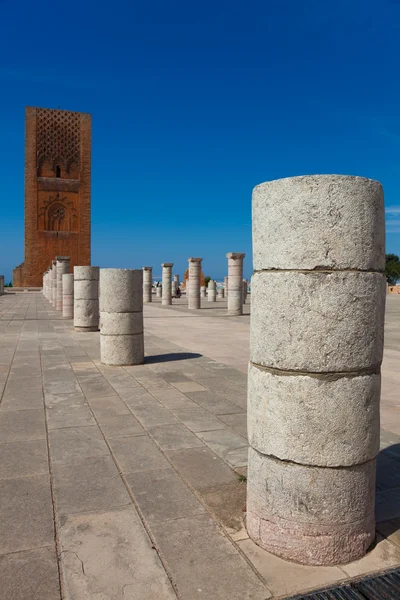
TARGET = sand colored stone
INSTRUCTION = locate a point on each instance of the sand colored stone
(194, 283)
(86, 298)
(147, 283)
(62, 266)
(68, 295)
(235, 283)
(314, 377)
(220, 293)
(159, 291)
(212, 291)
(167, 283)
(53, 283)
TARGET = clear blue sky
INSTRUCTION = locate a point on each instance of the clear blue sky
(194, 103)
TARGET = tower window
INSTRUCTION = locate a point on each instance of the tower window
(58, 171)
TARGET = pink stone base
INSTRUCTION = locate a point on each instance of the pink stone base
(312, 544)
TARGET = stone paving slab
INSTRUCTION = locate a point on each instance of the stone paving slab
(144, 483)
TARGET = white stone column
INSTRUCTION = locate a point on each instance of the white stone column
(159, 291)
(147, 283)
(62, 266)
(121, 317)
(194, 283)
(220, 293)
(226, 284)
(53, 298)
(203, 291)
(166, 283)
(176, 282)
(68, 295)
(173, 289)
(211, 291)
(318, 301)
(245, 284)
(86, 298)
(235, 283)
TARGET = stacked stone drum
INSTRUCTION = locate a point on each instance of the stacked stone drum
(86, 298)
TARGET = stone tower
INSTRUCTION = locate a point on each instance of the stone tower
(57, 191)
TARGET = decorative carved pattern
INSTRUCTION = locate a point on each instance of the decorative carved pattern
(58, 214)
(57, 137)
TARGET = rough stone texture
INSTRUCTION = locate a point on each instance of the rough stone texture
(63, 266)
(53, 291)
(235, 283)
(310, 515)
(147, 283)
(313, 420)
(86, 298)
(203, 291)
(340, 217)
(212, 291)
(68, 295)
(319, 322)
(121, 317)
(166, 283)
(194, 283)
(318, 302)
(220, 293)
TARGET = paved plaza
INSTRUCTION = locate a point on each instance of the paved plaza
(129, 483)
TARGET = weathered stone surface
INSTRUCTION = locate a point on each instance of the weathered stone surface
(32, 574)
(86, 298)
(113, 323)
(166, 283)
(314, 420)
(121, 290)
(235, 283)
(310, 515)
(194, 283)
(212, 291)
(321, 322)
(68, 295)
(121, 350)
(147, 283)
(319, 221)
(62, 266)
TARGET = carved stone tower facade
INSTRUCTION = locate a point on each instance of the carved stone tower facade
(57, 191)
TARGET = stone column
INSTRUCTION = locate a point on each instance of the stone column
(159, 291)
(176, 282)
(226, 284)
(1, 285)
(203, 291)
(68, 295)
(147, 283)
(166, 283)
(173, 289)
(220, 293)
(244, 290)
(211, 291)
(235, 283)
(121, 317)
(194, 283)
(318, 301)
(62, 266)
(53, 298)
(86, 298)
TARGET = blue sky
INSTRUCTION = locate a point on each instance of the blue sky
(195, 103)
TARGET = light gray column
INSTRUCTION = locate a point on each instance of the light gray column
(194, 283)
(166, 283)
(220, 293)
(121, 317)
(68, 295)
(86, 298)
(173, 289)
(62, 266)
(159, 291)
(235, 283)
(53, 298)
(244, 290)
(176, 282)
(318, 301)
(203, 291)
(226, 282)
(147, 283)
(211, 291)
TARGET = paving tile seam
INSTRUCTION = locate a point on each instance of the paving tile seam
(26, 550)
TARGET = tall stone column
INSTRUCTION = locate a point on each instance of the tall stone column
(166, 283)
(226, 284)
(318, 301)
(244, 290)
(235, 283)
(173, 289)
(86, 298)
(53, 298)
(147, 283)
(159, 291)
(1, 285)
(203, 291)
(121, 317)
(176, 282)
(194, 283)
(220, 293)
(212, 291)
(68, 295)
(63, 266)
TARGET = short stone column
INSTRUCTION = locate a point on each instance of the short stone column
(245, 284)
(63, 266)
(316, 344)
(147, 283)
(121, 317)
(1, 285)
(226, 284)
(86, 298)
(166, 283)
(53, 290)
(68, 295)
(220, 293)
(212, 291)
(203, 291)
(235, 283)
(159, 291)
(193, 283)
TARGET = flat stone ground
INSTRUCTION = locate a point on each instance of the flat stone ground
(127, 483)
